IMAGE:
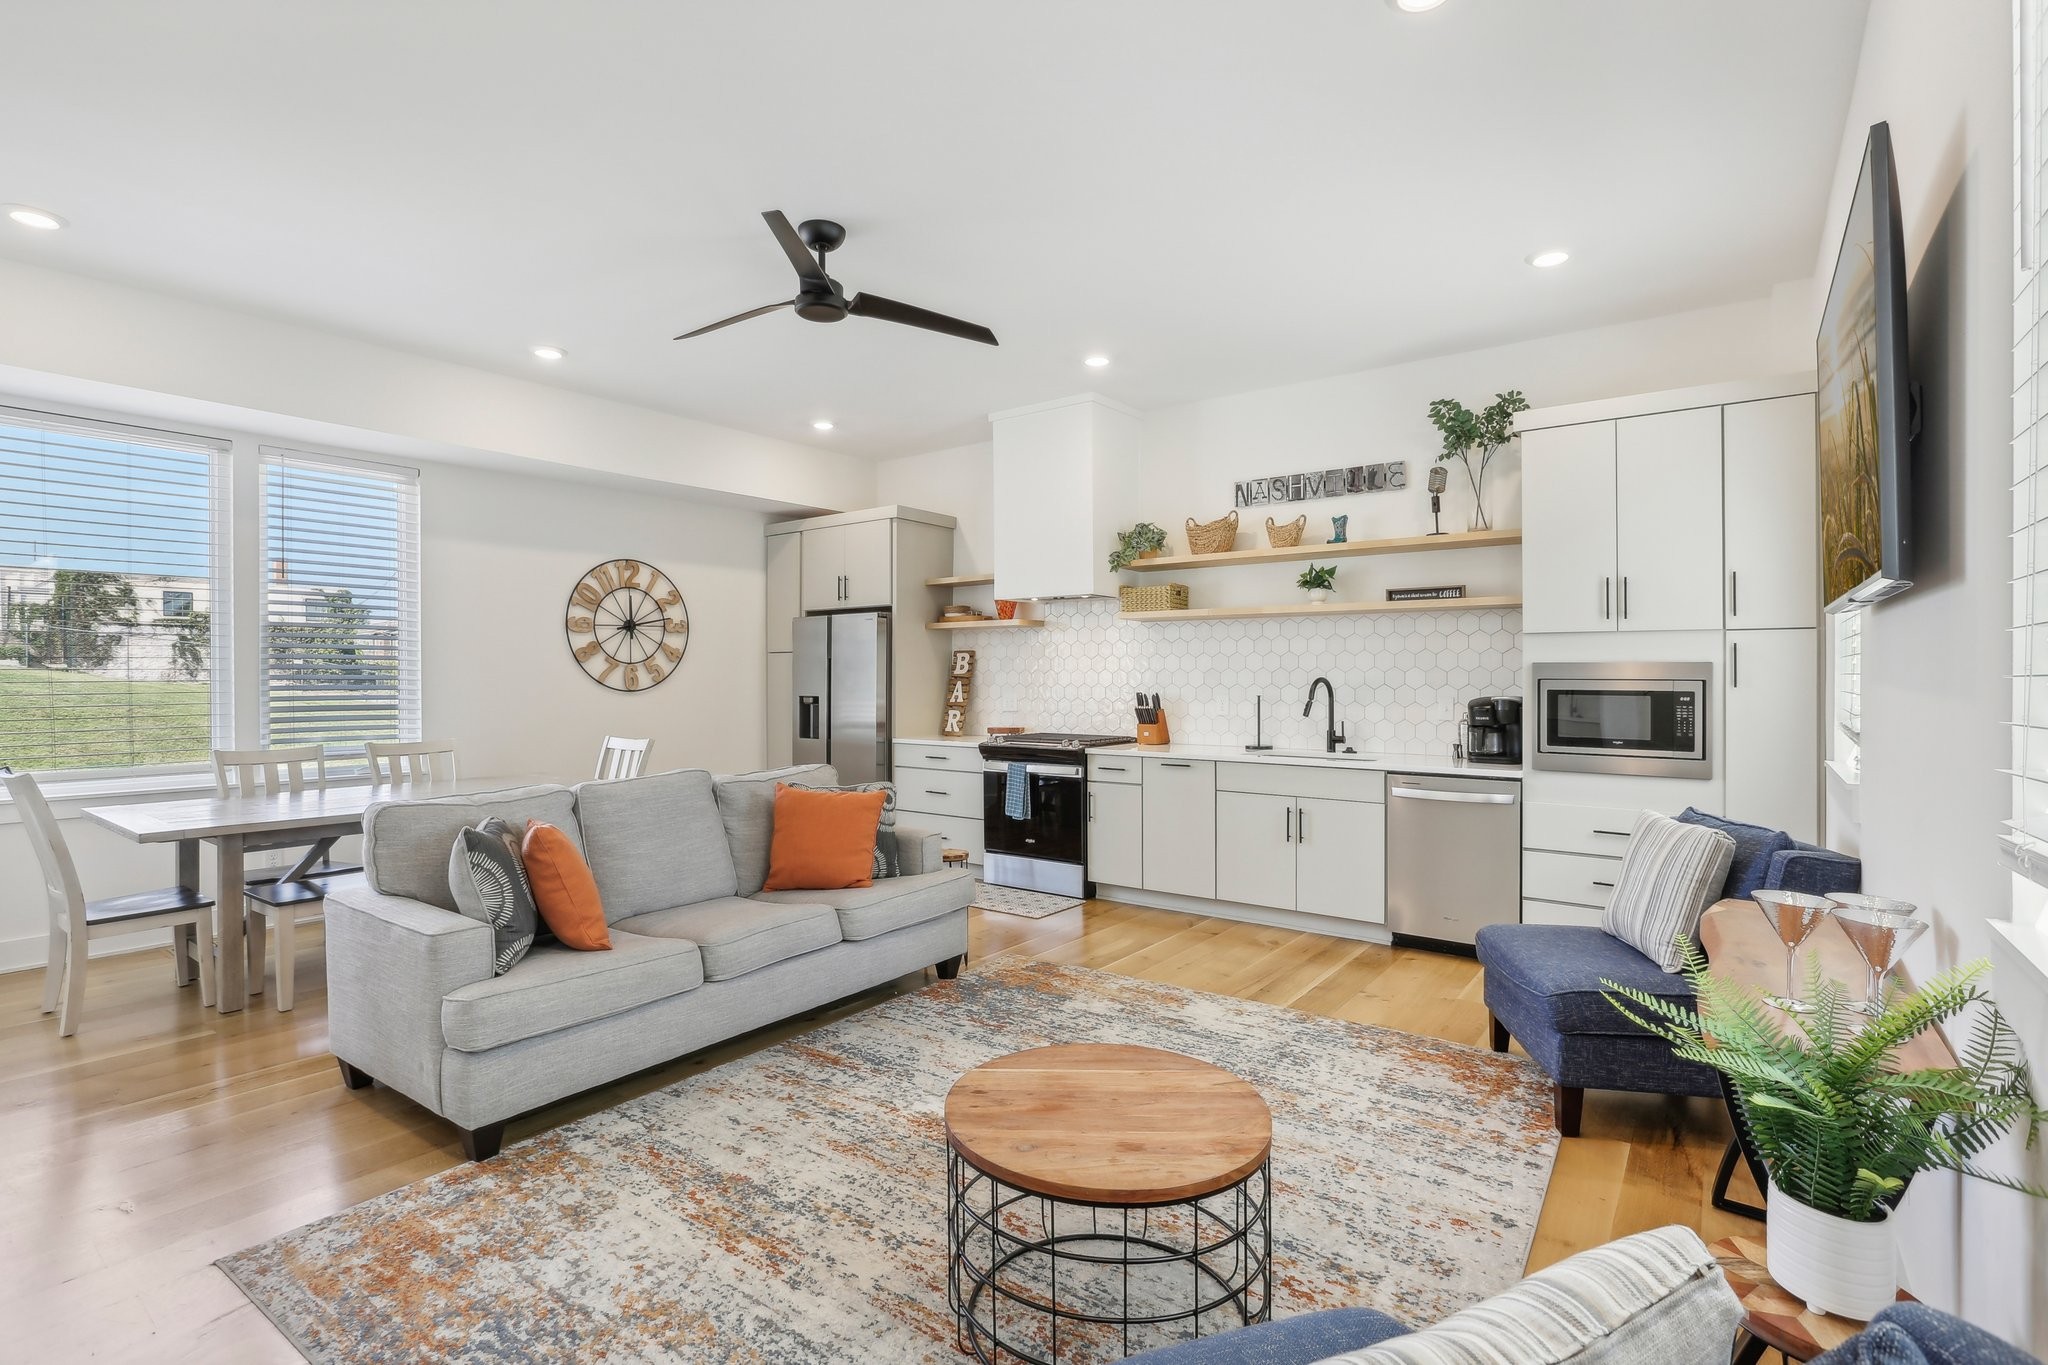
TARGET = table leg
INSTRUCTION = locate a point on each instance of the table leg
(231, 982)
(1749, 1350)
(183, 940)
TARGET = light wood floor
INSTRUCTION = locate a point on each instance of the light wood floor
(162, 1135)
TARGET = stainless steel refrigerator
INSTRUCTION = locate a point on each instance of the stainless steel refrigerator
(842, 694)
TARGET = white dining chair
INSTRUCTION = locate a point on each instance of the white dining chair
(619, 757)
(393, 762)
(280, 898)
(75, 921)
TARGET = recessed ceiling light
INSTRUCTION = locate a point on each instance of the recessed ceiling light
(821, 425)
(30, 217)
(549, 352)
(1096, 362)
(1549, 260)
(1414, 6)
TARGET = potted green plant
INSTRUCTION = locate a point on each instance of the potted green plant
(1318, 579)
(1840, 1129)
(1468, 434)
(1140, 542)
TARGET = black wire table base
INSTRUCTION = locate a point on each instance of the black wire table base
(1028, 1277)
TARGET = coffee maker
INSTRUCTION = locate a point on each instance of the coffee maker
(1493, 728)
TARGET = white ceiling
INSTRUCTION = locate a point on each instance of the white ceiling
(1222, 195)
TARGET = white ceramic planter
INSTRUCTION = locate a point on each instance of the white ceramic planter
(1836, 1266)
(1318, 594)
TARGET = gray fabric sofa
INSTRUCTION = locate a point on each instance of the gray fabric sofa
(699, 953)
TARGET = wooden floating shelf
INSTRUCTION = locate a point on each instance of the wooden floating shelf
(1350, 549)
(1325, 609)
(964, 580)
(1014, 623)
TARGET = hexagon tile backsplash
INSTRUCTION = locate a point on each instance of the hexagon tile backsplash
(1401, 680)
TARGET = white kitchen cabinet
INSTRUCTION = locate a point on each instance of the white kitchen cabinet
(1568, 528)
(1116, 833)
(1340, 859)
(1180, 827)
(1255, 863)
(848, 566)
(781, 717)
(1667, 520)
(785, 589)
(1772, 730)
(1769, 478)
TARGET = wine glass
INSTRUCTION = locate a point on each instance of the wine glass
(1794, 915)
(1881, 929)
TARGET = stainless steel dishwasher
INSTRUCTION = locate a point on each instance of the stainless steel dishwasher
(1454, 857)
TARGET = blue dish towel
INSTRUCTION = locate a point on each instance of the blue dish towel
(1017, 793)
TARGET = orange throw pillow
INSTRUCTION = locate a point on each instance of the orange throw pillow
(822, 840)
(563, 889)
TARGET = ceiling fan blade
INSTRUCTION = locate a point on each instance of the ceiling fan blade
(737, 317)
(793, 247)
(888, 310)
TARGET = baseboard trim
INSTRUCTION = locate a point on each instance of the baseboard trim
(1327, 925)
(33, 953)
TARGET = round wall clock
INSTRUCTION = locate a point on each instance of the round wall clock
(627, 625)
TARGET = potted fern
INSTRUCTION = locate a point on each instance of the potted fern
(1840, 1129)
(1318, 580)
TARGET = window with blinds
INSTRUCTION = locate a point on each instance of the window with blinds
(1846, 627)
(112, 620)
(341, 658)
(2024, 841)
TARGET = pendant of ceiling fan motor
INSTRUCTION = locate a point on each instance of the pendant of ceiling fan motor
(821, 234)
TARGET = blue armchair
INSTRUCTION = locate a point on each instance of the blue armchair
(1543, 986)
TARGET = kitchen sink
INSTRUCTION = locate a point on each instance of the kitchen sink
(1292, 754)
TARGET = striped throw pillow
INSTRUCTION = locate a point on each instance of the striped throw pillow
(1672, 873)
(1657, 1296)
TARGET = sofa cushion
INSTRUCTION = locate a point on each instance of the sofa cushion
(1559, 967)
(1302, 1339)
(737, 936)
(1750, 869)
(895, 903)
(1914, 1334)
(563, 890)
(406, 843)
(823, 839)
(557, 988)
(487, 877)
(654, 842)
(746, 803)
(1671, 874)
(887, 861)
(1657, 1296)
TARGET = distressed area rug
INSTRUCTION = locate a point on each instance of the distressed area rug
(790, 1206)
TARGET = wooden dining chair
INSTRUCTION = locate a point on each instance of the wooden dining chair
(280, 898)
(621, 757)
(75, 921)
(393, 762)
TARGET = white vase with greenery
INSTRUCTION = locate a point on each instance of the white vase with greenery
(1476, 436)
(1318, 581)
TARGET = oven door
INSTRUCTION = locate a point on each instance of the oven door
(1054, 825)
(1646, 726)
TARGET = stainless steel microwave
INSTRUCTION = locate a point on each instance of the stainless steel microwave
(1645, 720)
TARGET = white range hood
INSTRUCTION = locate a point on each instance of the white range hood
(1067, 479)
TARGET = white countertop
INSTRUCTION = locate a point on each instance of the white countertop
(1368, 760)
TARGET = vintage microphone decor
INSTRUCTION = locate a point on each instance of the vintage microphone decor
(1438, 478)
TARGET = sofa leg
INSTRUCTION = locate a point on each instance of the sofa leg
(1567, 1103)
(481, 1144)
(354, 1077)
(1500, 1032)
(950, 968)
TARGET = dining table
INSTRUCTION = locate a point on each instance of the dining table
(246, 823)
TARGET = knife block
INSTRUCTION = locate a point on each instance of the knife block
(1155, 733)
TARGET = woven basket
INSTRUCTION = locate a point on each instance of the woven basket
(1154, 597)
(1285, 537)
(1212, 537)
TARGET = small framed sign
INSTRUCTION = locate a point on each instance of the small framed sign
(1448, 593)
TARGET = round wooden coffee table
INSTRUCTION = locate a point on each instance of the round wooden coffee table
(1103, 1199)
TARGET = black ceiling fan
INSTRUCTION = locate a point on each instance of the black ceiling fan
(819, 296)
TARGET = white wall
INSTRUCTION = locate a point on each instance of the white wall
(956, 481)
(1934, 660)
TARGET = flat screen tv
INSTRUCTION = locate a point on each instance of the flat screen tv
(1864, 401)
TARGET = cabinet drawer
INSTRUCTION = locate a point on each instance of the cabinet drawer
(953, 831)
(1552, 912)
(940, 792)
(1285, 779)
(1126, 768)
(1600, 830)
(912, 755)
(1570, 877)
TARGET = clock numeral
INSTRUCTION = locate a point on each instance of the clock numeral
(583, 652)
(632, 677)
(676, 627)
(605, 580)
(610, 667)
(579, 624)
(629, 573)
(587, 596)
(672, 654)
(655, 672)
(674, 598)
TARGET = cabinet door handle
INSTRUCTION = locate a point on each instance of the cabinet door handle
(1608, 885)
(1176, 765)
(1107, 768)
(1613, 833)
(1091, 808)
(1734, 595)
(940, 758)
(1287, 822)
(1300, 825)
(1624, 597)
(1607, 598)
(1735, 663)
(929, 792)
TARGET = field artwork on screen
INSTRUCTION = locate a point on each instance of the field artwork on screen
(1845, 362)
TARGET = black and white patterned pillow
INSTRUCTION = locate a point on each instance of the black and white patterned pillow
(487, 877)
(888, 858)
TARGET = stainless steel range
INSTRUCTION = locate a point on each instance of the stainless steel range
(1034, 807)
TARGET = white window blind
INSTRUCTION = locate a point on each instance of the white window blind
(1847, 626)
(112, 619)
(341, 657)
(2024, 841)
